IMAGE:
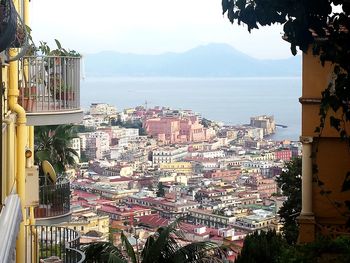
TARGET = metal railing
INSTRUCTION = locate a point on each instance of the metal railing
(54, 200)
(49, 83)
(43, 242)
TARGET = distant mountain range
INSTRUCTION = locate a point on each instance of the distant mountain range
(212, 60)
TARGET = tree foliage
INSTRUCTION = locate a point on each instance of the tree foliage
(263, 247)
(269, 247)
(160, 190)
(161, 247)
(53, 143)
(290, 183)
(317, 26)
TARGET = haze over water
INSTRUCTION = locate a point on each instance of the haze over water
(230, 100)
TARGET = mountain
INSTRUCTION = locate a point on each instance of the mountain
(212, 60)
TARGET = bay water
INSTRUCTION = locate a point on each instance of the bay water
(229, 100)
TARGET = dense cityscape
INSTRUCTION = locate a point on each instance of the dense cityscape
(145, 167)
(186, 181)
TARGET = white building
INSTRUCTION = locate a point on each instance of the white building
(169, 155)
(116, 152)
(94, 121)
(75, 145)
(209, 154)
(97, 145)
(255, 133)
(102, 109)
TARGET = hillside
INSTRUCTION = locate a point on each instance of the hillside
(212, 60)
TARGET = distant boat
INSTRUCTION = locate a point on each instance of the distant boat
(282, 126)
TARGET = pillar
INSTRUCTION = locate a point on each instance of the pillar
(306, 220)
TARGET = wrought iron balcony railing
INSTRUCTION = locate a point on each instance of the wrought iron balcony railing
(43, 242)
(49, 83)
(54, 200)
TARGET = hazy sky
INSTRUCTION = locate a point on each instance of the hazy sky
(147, 26)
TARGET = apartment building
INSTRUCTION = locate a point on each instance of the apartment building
(165, 207)
(86, 222)
(177, 167)
(31, 98)
(169, 154)
(97, 145)
(102, 109)
(209, 219)
(170, 130)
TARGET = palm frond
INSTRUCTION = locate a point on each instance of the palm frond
(146, 248)
(56, 142)
(164, 244)
(129, 249)
(101, 252)
(198, 252)
(115, 259)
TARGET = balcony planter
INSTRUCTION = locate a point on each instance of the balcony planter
(40, 212)
(67, 95)
(57, 81)
(27, 98)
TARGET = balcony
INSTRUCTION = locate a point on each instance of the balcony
(49, 89)
(54, 203)
(43, 242)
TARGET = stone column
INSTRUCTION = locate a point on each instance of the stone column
(306, 219)
(306, 207)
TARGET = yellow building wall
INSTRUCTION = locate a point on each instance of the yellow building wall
(100, 224)
(333, 160)
(177, 167)
(333, 155)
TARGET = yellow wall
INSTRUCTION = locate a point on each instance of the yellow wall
(333, 156)
(96, 223)
(315, 79)
(177, 167)
(333, 160)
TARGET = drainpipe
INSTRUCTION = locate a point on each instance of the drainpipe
(21, 140)
(10, 154)
(30, 128)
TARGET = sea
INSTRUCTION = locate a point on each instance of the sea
(227, 100)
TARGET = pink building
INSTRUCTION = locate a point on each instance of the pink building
(178, 130)
(284, 155)
(264, 186)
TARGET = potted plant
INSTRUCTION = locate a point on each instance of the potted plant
(27, 97)
(67, 93)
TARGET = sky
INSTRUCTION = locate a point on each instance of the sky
(147, 27)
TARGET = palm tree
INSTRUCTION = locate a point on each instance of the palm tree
(160, 247)
(52, 143)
